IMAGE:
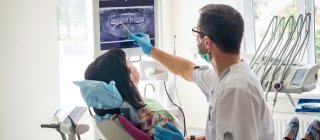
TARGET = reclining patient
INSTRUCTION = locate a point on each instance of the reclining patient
(111, 82)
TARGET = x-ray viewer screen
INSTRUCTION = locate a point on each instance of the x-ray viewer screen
(136, 15)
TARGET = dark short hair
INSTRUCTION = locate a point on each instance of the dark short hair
(112, 66)
(224, 25)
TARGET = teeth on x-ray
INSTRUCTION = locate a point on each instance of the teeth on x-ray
(120, 18)
(127, 19)
(135, 19)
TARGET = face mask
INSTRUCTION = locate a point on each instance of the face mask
(204, 56)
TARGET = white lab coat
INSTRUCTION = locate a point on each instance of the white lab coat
(236, 104)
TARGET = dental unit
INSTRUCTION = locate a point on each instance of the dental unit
(279, 64)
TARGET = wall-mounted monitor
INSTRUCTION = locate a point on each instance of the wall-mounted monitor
(112, 17)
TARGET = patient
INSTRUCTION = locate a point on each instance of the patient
(312, 132)
(113, 66)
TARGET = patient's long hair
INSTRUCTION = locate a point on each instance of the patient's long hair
(112, 66)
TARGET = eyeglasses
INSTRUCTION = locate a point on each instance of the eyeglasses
(129, 63)
(196, 32)
(131, 67)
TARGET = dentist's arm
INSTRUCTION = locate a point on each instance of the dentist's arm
(176, 65)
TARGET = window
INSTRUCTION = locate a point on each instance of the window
(265, 10)
(317, 30)
(74, 18)
(75, 49)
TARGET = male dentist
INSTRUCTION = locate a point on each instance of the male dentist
(237, 108)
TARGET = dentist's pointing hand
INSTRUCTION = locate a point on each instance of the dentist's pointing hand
(143, 41)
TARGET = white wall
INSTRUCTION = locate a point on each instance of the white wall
(29, 92)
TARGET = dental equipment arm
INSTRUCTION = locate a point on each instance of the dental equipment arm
(269, 49)
(295, 50)
(70, 125)
(277, 85)
(269, 60)
(281, 72)
(256, 57)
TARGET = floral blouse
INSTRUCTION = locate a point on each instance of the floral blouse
(152, 115)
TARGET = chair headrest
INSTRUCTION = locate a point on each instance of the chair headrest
(99, 94)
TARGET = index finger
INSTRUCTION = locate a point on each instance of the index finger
(132, 37)
(139, 34)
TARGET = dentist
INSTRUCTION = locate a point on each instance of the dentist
(237, 108)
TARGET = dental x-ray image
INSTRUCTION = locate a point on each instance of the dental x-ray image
(119, 18)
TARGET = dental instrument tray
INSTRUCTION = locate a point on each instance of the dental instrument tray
(308, 105)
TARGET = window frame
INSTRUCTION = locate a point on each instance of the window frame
(302, 7)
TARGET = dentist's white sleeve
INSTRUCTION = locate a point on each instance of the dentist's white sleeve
(205, 78)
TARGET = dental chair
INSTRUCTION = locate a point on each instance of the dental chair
(106, 102)
(118, 127)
